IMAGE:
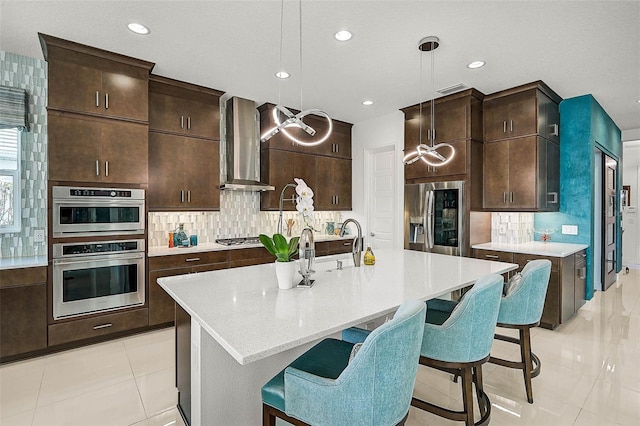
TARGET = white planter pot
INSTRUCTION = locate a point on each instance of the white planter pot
(286, 273)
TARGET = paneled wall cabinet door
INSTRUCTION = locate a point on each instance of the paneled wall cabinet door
(458, 122)
(98, 113)
(326, 168)
(184, 146)
(521, 149)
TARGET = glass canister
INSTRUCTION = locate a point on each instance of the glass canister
(330, 228)
(369, 257)
(179, 236)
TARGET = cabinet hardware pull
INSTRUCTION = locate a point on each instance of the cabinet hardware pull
(192, 259)
(106, 101)
(346, 244)
(504, 126)
(97, 168)
(97, 99)
(554, 132)
(511, 197)
(553, 199)
(511, 125)
(428, 134)
(492, 256)
(189, 123)
(504, 198)
(182, 196)
(182, 121)
(582, 273)
(98, 327)
(188, 196)
(337, 148)
(106, 168)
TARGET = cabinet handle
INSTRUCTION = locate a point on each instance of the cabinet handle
(192, 259)
(347, 244)
(582, 273)
(182, 121)
(511, 197)
(97, 168)
(554, 132)
(97, 99)
(182, 196)
(106, 101)
(337, 199)
(98, 327)
(511, 125)
(428, 134)
(337, 148)
(504, 198)
(553, 199)
(492, 256)
(106, 168)
(189, 123)
(504, 126)
(188, 196)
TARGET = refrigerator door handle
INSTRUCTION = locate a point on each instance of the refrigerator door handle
(430, 218)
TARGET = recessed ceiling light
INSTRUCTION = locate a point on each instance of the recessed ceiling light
(138, 28)
(476, 64)
(343, 35)
(367, 102)
(282, 74)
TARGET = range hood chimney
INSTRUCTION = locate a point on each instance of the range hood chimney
(240, 145)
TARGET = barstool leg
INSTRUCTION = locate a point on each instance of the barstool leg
(477, 379)
(467, 395)
(525, 353)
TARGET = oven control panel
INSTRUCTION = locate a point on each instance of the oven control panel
(102, 247)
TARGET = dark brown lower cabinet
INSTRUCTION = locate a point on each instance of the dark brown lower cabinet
(23, 310)
(565, 293)
(183, 362)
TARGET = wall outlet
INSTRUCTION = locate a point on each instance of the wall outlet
(570, 229)
(38, 236)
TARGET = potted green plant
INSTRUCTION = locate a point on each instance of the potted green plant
(283, 251)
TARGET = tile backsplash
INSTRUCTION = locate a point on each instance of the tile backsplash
(239, 216)
(511, 228)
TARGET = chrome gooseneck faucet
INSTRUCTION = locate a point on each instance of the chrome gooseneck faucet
(306, 253)
(293, 199)
(356, 250)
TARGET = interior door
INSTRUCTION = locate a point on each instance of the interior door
(610, 212)
(381, 198)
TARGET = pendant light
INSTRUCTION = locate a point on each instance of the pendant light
(431, 153)
(290, 119)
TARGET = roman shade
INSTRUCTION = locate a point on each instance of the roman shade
(13, 108)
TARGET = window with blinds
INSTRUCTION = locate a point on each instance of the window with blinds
(9, 180)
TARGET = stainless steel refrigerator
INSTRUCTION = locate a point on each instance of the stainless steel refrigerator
(434, 217)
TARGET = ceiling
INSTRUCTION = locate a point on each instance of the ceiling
(576, 47)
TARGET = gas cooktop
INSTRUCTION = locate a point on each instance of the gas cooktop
(238, 241)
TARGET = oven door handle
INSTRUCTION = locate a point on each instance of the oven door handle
(86, 259)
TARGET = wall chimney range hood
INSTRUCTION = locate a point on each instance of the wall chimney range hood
(240, 145)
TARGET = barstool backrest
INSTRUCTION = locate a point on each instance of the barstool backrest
(525, 301)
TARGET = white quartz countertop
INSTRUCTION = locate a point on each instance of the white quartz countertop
(246, 313)
(166, 251)
(535, 247)
(23, 262)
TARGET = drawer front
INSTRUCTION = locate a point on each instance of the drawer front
(498, 256)
(249, 256)
(522, 259)
(23, 276)
(187, 259)
(338, 247)
(97, 326)
(580, 257)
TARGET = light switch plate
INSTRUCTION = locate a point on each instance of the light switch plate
(570, 229)
(38, 236)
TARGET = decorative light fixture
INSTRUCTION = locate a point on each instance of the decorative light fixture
(291, 119)
(429, 153)
(138, 28)
(343, 35)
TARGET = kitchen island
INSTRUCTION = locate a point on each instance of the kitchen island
(244, 329)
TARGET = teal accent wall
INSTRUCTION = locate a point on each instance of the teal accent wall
(584, 127)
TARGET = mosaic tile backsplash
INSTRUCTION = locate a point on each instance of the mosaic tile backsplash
(511, 228)
(29, 74)
(239, 216)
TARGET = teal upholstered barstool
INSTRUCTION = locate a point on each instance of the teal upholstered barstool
(457, 339)
(521, 309)
(324, 387)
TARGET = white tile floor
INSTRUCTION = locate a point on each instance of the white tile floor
(590, 376)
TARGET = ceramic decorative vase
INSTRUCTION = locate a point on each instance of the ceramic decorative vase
(286, 273)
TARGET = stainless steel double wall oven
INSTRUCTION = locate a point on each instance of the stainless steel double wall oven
(90, 273)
